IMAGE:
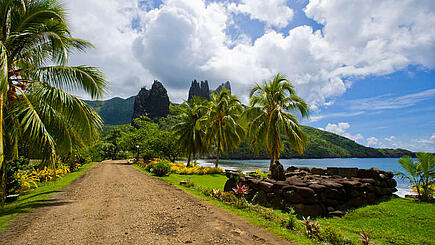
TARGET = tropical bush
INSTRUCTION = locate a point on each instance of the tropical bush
(420, 173)
(162, 168)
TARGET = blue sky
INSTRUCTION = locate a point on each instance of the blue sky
(365, 67)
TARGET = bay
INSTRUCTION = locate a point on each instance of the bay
(387, 164)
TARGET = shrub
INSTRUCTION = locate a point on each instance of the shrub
(162, 168)
(420, 173)
(365, 238)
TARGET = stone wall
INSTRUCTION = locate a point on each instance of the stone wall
(318, 191)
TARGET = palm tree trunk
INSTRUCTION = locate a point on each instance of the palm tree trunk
(188, 160)
(218, 153)
(2, 156)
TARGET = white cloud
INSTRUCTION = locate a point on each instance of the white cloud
(372, 141)
(388, 102)
(341, 129)
(184, 40)
(107, 25)
(273, 12)
(426, 144)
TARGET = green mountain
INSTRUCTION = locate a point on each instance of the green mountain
(322, 144)
(115, 111)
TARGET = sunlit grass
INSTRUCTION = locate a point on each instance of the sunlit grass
(396, 221)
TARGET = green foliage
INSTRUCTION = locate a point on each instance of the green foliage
(37, 197)
(191, 136)
(162, 168)
(269, 118)
(222, 122)
(420, 173)
(12, 168)
(312, 228)
(35, 44)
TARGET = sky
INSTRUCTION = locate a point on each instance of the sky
(365, 67)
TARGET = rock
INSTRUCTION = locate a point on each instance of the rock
(277, 171)
(265, 186)
(317, 187)
(225, 85)
(152, 103)
(291, 169)
(391, 183)
(198, 90)
(319, 171)
(305, 169)
(355, 202)
(366, 180)
(305, 192)
(293, 197)
(313, 210)
(279, 184)
(336, 213)
(344, 172)
(230, 184)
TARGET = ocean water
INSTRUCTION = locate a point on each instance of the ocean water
(386, 164)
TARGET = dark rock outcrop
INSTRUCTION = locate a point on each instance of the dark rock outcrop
(200, 90)
(226, 85)
(152, 103)
(316, 191)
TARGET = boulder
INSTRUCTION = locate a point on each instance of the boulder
(277, 171)
(344, 172)
(319, 171)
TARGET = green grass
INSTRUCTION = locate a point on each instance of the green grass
(397, 221)
(217, 181)
(38, 197)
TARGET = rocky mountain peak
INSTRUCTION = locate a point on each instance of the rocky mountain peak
(152, 103)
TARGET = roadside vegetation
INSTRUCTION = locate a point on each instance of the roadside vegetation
(393, 221)
(39, 117)
(37, 197)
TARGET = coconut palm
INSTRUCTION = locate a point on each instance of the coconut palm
(271, 104)
(190, 134)
(420, 173)
(35, 82)
(222, 122)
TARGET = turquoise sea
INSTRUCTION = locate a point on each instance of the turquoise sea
(387, 164)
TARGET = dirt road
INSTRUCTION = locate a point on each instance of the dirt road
(114, 203)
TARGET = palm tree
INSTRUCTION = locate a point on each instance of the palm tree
(35, 81)
(270, 116)
(190, 134)
(223, 122)
(420, 173)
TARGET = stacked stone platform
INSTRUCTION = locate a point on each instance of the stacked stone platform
(318, 191)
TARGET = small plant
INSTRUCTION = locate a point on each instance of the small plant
(330, 235)
(365, 238)
(420, 173)
(312, 228)
(289, 220)
(268, 214)
(162, 168)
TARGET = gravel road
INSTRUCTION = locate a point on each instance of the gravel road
(114, 203)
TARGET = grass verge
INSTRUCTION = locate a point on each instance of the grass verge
(217, 181)
(396, 221)
(36, 198)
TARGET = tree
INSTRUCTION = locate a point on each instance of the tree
(270, 117)
(222, 122)
(420, 173)
(191, 137)
(35, 106)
